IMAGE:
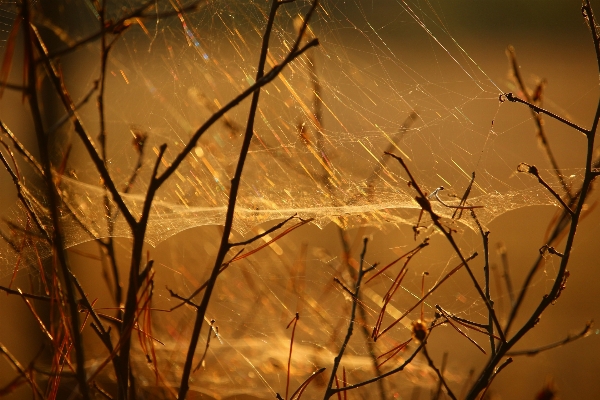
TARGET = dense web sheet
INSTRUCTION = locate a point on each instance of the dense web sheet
(394, 82)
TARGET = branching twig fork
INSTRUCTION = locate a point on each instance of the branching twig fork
(426, 205)
(568, 339)
(438, 373)
(337, 360)
(30, 39)
(433, 289)
(489, 372)
(261, 80)
(538, 121)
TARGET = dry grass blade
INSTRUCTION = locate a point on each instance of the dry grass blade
(21, 371)
(392, 353)
(298, 393)
(433, 289)
(449, 320)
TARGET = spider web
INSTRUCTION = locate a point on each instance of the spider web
(384, 78)
(321, 128)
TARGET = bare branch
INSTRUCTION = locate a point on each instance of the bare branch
(568, 339)
(511, 97)
(532, 169)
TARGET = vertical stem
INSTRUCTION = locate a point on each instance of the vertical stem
(233, 193)
(489, 371)
(108, 246)
(486, 272)
(53, 200)
(338, 358)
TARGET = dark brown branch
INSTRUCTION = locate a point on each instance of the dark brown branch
(568, 339)
(60, 88)
(560, 225)
(30, 39)
(538, 121)
(532, 169)
(458, 212)
(426, 206)
(459, 207)
(588, 15)
(489, 372)
(224, 247)
(210, 333)
(437, 285)
(69, 113)
(183, 299)
(22, 372)
(121, 23)
(462, 320)
(389, 373)
(22, 150)
(485, 236)
(511, 97)
(265, 233)
(296, 395)
(344, 287)
(24, 198)
(259, 83)
(102, 392)
(545, 248)
(23, 294)
(496, 372)
(438, 373)
(329, 391)
(289, 366)
(456, 328)
(506, 273)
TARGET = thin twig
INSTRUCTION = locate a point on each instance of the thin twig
(289, 366)
(121, 23)
(538, 121)
(28, 295)
(442, 370)
(261, 80)
(338, 358)
(22, 372)
(298, 393)
(210, 333)
(489, 371)
(456, 328)
(265, 233)
(568, 339)
(496, 372)
(511, 97)
(23, 196)
(459, 207)
(57, 81)
(532, 169)
(21, 149)
(560, 225)
(53, 197)
(433, 289)
(389, 373)
(506, 273)
(485, 236)
(426, 206)
(438, 373)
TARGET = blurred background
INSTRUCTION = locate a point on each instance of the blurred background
(320, 134)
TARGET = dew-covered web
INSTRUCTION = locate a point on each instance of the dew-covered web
(385, 77)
